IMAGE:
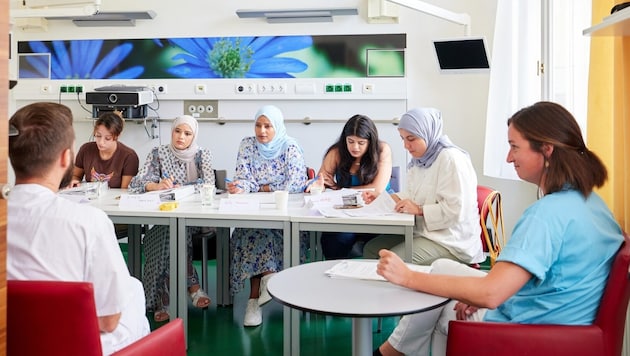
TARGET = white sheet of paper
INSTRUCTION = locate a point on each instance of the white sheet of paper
(383, 205)
(238, 205)
(365, 270)
(139, 201)
(261, 197)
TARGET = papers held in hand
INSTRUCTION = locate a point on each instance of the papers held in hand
(351, 269)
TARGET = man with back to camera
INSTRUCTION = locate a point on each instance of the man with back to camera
(53, 238)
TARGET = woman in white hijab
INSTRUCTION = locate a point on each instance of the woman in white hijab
(441, 191)
(266, 162)
(178, 163)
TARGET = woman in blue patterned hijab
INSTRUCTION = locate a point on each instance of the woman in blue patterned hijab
(280, 141)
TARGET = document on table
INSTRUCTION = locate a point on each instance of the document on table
(76, 194)
(260, 197)
(358, 269)
(383, 205)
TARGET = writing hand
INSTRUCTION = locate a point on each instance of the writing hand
(233, 187)
(368, 196)
(406, 206)
(317, 182)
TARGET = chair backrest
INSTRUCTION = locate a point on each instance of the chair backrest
(219, 178)
(167, 340)
(611, 316)
(52, 318)
(394, 182)
(490, 206)
(310, 172)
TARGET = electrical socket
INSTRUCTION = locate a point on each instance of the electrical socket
(200, 89)
(159, 88)
(245, 88)
(368, 88)
(46, 89)
(204, 109)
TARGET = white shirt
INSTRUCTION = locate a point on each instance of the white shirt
(53, 238)
(447, 192)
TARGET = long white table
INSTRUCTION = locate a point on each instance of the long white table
(109, 204)
(307, 288)
(191, 213)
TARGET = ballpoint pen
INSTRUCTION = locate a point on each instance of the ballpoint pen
(166, 176)
(228, 180)
(310, 182)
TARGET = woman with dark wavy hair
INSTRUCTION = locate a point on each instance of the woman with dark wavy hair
(358, 160)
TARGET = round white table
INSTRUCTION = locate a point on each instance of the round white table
(307, 288)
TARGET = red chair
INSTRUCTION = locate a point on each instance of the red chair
(168, 340)
(603, 338)
(59, 318)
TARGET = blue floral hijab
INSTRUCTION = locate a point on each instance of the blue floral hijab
(426, 123)
(280, 141)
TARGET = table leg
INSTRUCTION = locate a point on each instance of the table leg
(223, 266)
(179, 271)
(134, 235)
(361, 336)
(408, 243)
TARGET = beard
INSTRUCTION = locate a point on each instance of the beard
(67, 178)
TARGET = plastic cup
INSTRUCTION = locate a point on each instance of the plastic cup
(207, 192)
(92, 189)
(282, 199)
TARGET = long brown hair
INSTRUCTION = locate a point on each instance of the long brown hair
(571, 162)
(363, 127)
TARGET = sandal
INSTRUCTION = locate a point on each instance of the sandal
(199, 298)
(161, 315)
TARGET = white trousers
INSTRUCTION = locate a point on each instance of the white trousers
(133, 324)
(425, 333)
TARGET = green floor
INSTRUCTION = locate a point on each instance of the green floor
(220, 330)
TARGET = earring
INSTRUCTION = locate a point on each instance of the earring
(546, 164)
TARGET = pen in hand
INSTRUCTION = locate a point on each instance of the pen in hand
(310, 182)
(228, 180)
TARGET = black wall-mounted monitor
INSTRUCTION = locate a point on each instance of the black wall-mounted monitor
(462, 55)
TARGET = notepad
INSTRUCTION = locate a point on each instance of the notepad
(351, 269)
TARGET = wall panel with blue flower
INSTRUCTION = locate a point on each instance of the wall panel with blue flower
(330, 56)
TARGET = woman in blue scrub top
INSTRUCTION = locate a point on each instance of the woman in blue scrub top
(537, 278)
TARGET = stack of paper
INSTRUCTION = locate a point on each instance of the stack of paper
(357, 269)
(176, 194)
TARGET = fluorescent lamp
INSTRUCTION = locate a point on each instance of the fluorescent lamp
(109, 19)
(297, 15)
(418, 5)
(51, 12)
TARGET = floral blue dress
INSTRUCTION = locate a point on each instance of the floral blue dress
(155, 277)
(255, 251)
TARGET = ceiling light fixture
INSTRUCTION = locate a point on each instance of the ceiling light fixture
(297, 15)
(109, 19)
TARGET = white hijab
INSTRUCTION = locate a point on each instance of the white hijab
(187, 155)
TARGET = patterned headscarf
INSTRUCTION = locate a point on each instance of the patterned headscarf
(280, 140)
(426, 123)
(187, 155)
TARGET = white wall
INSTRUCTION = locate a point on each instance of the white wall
(461, 97)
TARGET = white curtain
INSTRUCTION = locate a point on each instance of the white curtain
(513, 77)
